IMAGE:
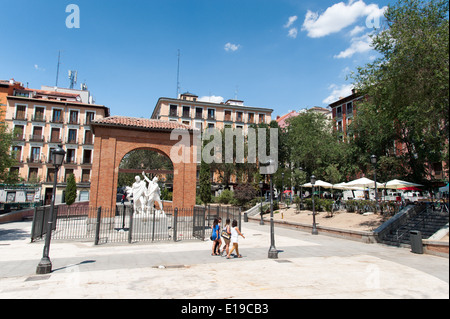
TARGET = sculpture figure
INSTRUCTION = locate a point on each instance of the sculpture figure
(153, 193)
(138, 191)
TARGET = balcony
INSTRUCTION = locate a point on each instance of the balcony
(36, 138)
(39, 118)
(55, 140)
(57, 120)
(34, 160)
(71, 141)
(89, 141)
(74, 122)
(70, 161)
(173, 113)
(19, 137)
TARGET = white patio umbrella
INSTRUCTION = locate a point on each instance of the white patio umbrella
(396, 184)
(319, 183)
(364, 182)
(344, 186)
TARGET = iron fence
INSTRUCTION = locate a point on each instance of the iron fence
(123, 225)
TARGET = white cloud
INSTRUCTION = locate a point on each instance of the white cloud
(340, 16)
(337, 92)
(36, 67)
(232, 47)
(212, 99)
(356, 30)
(358, 45)
(293, 33)
(290, 21)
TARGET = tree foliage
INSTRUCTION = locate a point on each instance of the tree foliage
(71, 190)
(408, 86)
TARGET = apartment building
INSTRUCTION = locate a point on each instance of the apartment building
(344, 111)
(190, 111)
(200, 115)
(44, 119)
(7, 87)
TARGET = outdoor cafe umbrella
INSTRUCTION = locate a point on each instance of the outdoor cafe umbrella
(319, 183)
(398, 184)
(364, 182)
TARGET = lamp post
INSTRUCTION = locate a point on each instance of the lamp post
(261, 186)
(373, 160)
(314, 229)
(45, 265)
(273, 252)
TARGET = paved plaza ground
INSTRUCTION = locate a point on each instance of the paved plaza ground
(309, 267)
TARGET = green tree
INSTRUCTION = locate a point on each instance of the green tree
(314, 146)
(408, 87)
(71, 190)
(7, 158)
(205, 183)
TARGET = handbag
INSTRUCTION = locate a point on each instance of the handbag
(225, 234)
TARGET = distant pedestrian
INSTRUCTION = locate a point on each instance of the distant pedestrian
(215, 237)
(226, 235)
(235, 233)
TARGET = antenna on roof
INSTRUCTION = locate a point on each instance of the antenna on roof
(73, 77)
(178, 75)
(236, 92)
(57, 68)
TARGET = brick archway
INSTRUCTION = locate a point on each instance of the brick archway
(117, 136)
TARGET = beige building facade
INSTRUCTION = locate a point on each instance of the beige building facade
(42, 120)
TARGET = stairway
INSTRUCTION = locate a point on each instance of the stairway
(427, 222)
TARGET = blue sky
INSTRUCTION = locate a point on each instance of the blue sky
(283, 54)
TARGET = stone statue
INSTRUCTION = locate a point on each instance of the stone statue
(153, 193)
(138, 190)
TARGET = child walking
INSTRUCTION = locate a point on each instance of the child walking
(235, 233)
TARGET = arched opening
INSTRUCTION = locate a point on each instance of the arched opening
(152, 163)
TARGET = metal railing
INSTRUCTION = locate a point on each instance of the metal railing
(123, 225)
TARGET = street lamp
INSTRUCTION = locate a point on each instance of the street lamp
(373, 160)
(45, 265)
(270, 170)
(314, 229)
(261, 186)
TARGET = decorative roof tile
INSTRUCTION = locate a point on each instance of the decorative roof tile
(141, 123)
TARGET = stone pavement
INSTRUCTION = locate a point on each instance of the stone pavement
(308, 267)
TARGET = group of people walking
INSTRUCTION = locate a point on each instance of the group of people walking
(230, 235)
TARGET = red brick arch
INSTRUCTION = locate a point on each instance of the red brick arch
(117, 136)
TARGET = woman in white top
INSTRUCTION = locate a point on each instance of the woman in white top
(235, 233)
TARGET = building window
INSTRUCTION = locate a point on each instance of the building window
(339, 111)
(198, 113)
(18, 133)
(211, 114)
(349, 108)
(37, 134)
(227, 116)
(72, 138)
(57, 116)
(262, 118)
(173, 110)
(33, 175)
(70, 156)
(186, 111)
(88, 138)
(239, 117)
(35, 156)
(73, 117)
(17, 150)
(55, 136)
(211, 125)
(90, 116)
(86, 176)
(251, 118)
(39, 114)
(87, 156)
(21, 112)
